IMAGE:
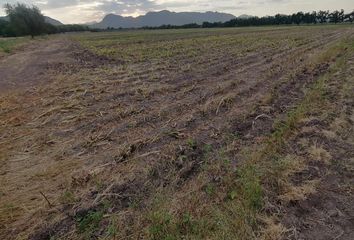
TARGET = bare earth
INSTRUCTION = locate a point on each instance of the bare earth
(28, 68)
(78, 129)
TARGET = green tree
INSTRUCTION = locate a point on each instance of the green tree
(25, 20)
(3, 25)
(337, 16)
(341, 16)
(298, 18)
(351, 16)
(322, 16)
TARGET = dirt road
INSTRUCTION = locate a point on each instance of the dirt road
(28, 67)
(23, 73)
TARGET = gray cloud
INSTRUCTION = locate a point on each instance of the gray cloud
(50, 4)
(126, 6)
(76, 11)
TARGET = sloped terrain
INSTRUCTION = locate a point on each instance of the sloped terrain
(177, 134)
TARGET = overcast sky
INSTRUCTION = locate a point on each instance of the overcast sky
(80, 11)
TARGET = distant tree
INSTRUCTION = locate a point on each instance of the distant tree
(281, 19)
(322, 16)
(278, 19)
(341, 16)
(298, 18)
(3, 25)
(72, 28)
(50, 29)
(336, 16)
(6, 29)
(310, 17)
(25, 20)
(314, 17)
(207, 25)
(350, 17)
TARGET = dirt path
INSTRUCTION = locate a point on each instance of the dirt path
(34, 66)
(29, 67)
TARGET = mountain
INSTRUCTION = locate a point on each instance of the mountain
(155, 19)
(52, 21)
(46, 19)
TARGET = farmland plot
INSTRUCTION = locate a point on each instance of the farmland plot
(179, 134)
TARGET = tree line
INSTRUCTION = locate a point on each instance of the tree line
(296, 18)
(28, 20)
(23, 20)
(320, 17)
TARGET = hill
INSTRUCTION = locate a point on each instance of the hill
(46, 18)
(52, 21)
(155, 19)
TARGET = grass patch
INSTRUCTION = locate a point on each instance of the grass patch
(9, 45)
(68, 197)
(269, 160)
(88, 224)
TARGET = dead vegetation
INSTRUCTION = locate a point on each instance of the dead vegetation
(174, 136)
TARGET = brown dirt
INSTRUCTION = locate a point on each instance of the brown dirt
(28, 67)
(24, 73)
(121, 135)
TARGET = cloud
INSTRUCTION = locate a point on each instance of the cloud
(78, 11)
(127, 6)
(52, 4)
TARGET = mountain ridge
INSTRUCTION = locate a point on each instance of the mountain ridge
(164, 17)
(46, 19)
(52, 21)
